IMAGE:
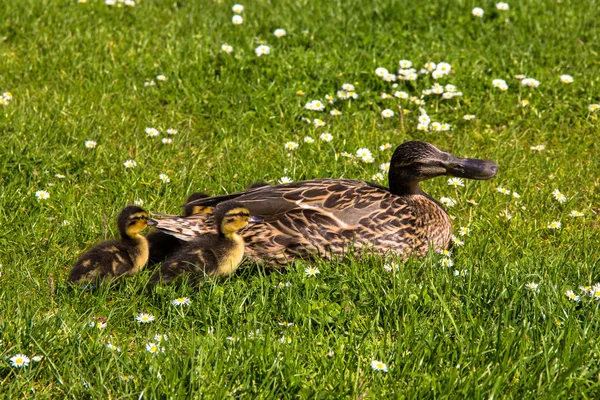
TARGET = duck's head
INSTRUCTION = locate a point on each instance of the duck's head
(132, 221)
(414, 162)
(191, 209)
(231, 217)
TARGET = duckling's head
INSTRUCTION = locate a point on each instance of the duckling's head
(132, 220)
(231, 217)
(414, 162)
(191, 209)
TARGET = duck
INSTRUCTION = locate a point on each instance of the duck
(214, 253)
(163, 245)
(327, 217)
(112, 259)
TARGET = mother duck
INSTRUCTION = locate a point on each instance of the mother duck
(327, 217)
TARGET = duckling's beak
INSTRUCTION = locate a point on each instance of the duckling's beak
(152, 222)
(254, 218)
(471, 168)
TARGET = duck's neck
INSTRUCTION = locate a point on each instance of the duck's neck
(400, 186)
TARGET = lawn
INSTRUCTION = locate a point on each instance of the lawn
(505, 315)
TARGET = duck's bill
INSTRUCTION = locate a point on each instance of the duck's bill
(152, 222)
(472, 168)
(254, 218)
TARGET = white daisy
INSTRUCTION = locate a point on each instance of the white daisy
(477, 12)
(144, 318)
(237, 19)
(387, 113)
(90, 144)
(227, 48)
(181, 301)
(379, 366)
(164, 178)
(311, 271)
(280, 33)
(19, 360)
(237, 8)
(42, 195)
(262, 50)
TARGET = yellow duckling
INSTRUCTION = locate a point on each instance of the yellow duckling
(212, 254)
(113, 258)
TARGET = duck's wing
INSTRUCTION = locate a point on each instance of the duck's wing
(333, 207)
(327, 194)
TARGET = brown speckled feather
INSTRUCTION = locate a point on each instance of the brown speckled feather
(326, 217)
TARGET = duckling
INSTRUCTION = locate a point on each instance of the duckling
(114, 258)
(163, 245)
(212, 254)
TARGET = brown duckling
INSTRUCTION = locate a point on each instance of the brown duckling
(212, 254)
(114, 258)
(163, 245)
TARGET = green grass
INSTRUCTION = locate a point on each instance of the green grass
(77, 73)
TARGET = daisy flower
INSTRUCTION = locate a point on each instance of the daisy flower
(285, 340)
(477, 12)
(422, 127)
(387, 113)
(468, 117)
(446, 262)
(346, 154)
(285, 324)
(59, 176)
(285, 180)
(150, 83)
(448, 202)
(164, 178)
(280, 33)
(152, 132)
(561, 198)
(318, 122)
(381, 72)
(566, 79)
(326, 137)
(401, 95)
(37, 358)
(129, 164)
(348, 87)
(311, 271)
(516, 195)
(129, 3)
(503, 190)
(457, 241)
(530, 82)
(500, 84)
(308, 139)
(237, 19)
(572, 296)
(19, 361)
(524, 103)
(502, 6)
(463, 231)
(385, 96)
(160, 337)
(227, 48)
(554, 225)
(42, 195)
(594, 107)
(424, 119)
(391, 267)
(291, 145)
(533, 286)
(335, 113)
(112, 347)
(386, 146)
(456, 182)
(262, 50)
(539, 147)
(110, 2)
(90, 144)
(154, 348)
(385, 167)
(575, 213)
(181, 301)
(237, 8)
(430, 66)
(143, 318)
(379, 366)
(166, 140)
(138, 202)
(172, 131)
(161, 78)
(405, 64)
(315, 105)
(378, 177)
